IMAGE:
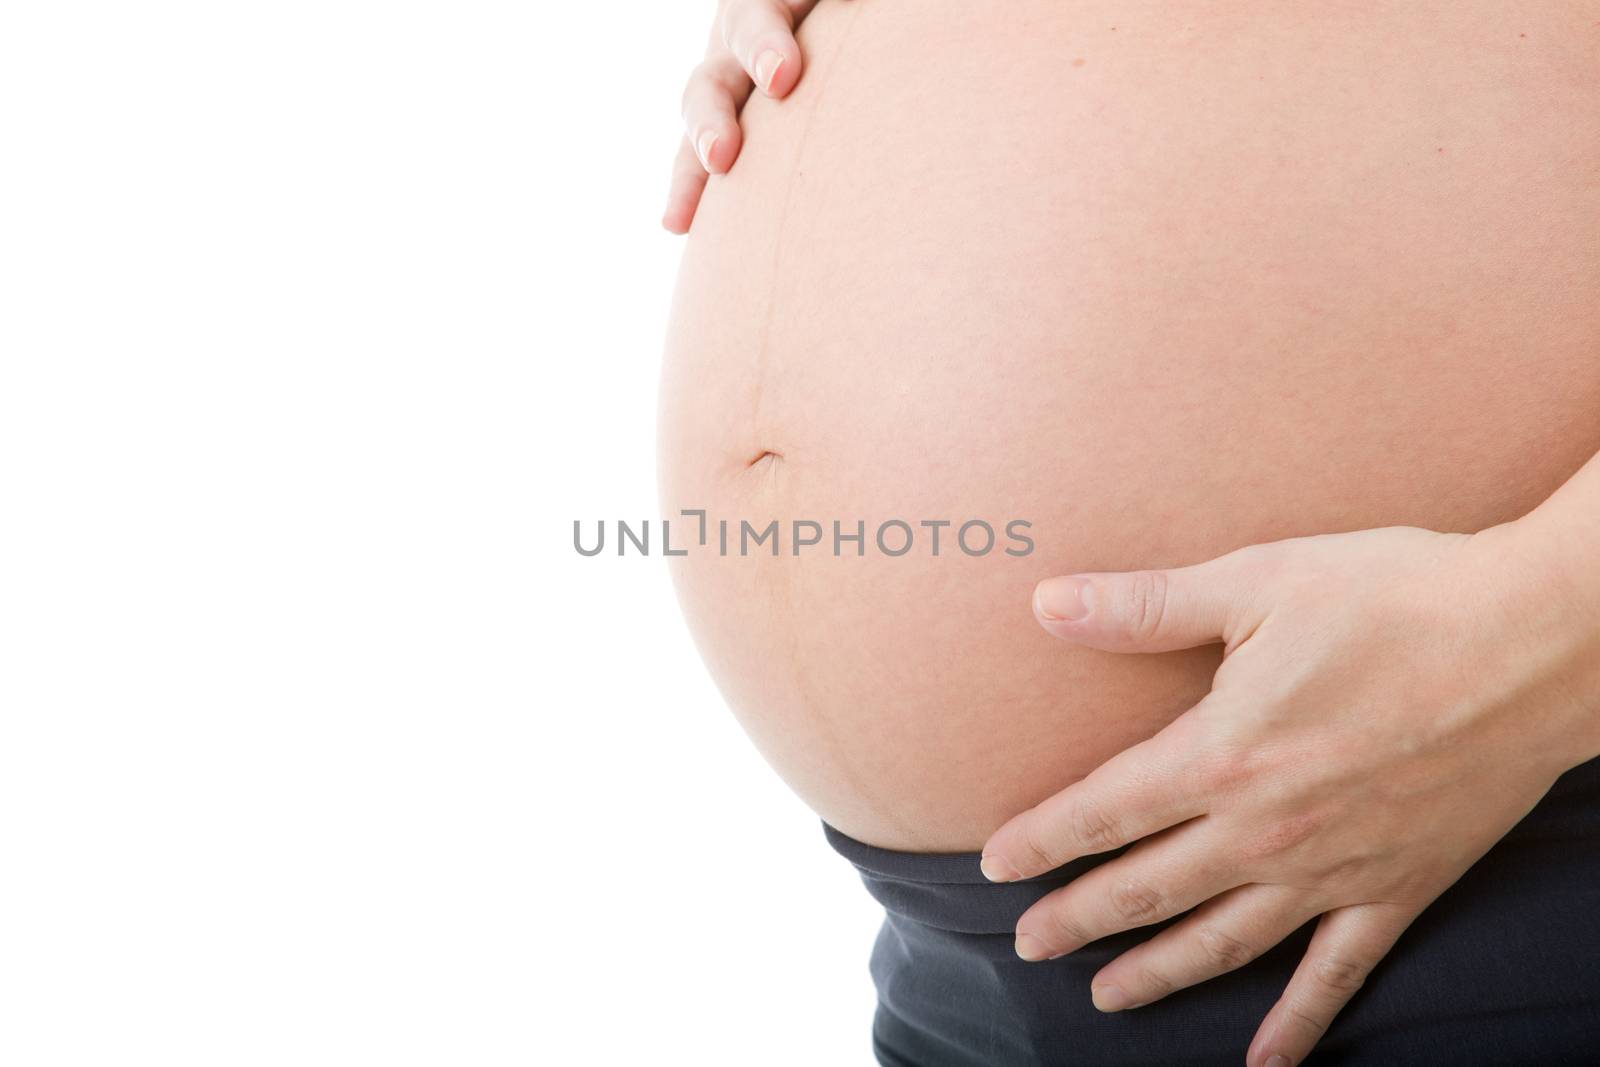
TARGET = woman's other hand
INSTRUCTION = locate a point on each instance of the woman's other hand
(752, 45)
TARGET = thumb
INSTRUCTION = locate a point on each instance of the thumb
(1147, 611)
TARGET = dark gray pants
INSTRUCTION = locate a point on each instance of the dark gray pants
(1502, 970)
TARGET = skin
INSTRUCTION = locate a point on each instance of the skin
(752, 46)
(1390, 704)
(1301, 747)
(1159, 331)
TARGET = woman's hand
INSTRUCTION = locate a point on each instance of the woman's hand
(752, 44)
(1391, 703)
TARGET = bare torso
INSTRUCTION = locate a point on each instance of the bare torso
(1162, 280)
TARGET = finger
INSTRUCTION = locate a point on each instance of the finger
(1222, 935)
(1163, 876)
(688, 182)
(1348, 944)
(711, 101)
(1150, 611)
(760, 34)
(1137, 792)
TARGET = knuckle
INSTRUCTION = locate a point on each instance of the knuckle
(711, 84)
(1151, 985)
(1343, 871)
(1284, 835)
(1226, 755)
(1038, 851)
(1070, 928)
(1136, 902)
(1225, 768)
(775, 14)
(1309, 1022)
(742, 20)
(1093, 828)
(694, 90)
(1147, 602)
(1340, 977)
(1222, 950)
(705, 72)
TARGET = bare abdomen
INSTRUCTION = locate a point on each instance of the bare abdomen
(1159, 283)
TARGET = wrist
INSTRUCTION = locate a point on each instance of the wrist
(1547, 577)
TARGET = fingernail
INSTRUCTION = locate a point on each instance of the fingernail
(1060, 599)
(767, 65)
(996, 869)
(703, 146)
(1110, 998)
(1031, 948)
(1278, 1061)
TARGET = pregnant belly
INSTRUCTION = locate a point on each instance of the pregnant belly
(1159, 280)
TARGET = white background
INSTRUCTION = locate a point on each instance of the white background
(320, 322)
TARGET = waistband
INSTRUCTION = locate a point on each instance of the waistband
(946, 890)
